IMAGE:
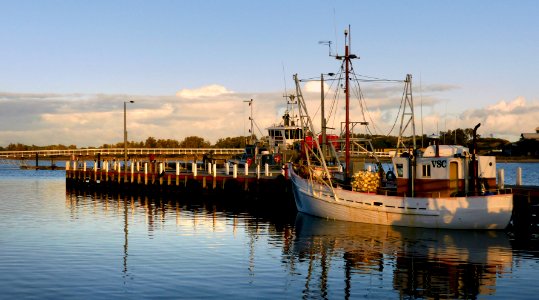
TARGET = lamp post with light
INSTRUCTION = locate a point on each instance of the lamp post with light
(125, 132)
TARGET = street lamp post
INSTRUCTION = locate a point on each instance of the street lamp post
(125, 132)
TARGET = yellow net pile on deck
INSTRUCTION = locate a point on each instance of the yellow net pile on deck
(365, 181)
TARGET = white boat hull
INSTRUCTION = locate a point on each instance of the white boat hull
(477, 212)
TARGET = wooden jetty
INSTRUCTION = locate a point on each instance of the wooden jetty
(180, 178)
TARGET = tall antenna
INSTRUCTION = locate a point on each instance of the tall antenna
(284, 79)
(326, 43)
(251, 138)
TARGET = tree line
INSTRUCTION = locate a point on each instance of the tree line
(150, 142)
(451, 137)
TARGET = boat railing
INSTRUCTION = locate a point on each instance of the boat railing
(393, 192)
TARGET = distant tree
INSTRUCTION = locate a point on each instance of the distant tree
(194, 142)
(151, 142)
(231, 142)
(168, 143)
(382, 141)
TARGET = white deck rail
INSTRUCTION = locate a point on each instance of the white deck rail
(120, 151)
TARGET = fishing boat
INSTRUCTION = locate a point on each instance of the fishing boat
(278, 146)
(282, 136)
(444, 186)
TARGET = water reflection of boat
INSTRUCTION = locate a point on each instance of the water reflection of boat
(426, 262)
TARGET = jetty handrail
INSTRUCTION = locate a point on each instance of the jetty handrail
(120, 151)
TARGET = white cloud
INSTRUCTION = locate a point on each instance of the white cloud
(93, 120)
(314, 87)
(205, 91)
(505, 119)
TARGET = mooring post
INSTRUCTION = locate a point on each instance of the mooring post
(119, 171)
(67, 170)
(501, 179)
(132, 173)
(246, 169)
(519, 176)
(235, 171)
(84, 167)
(145, 173)
(266, 169)
(177, 173)
(227, 168)
(194, 169)
(161, 172)
(209, 168)
(214, 170)
(106, 164)
(258, 171)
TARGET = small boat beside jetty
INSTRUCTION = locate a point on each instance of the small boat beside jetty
(442, 186)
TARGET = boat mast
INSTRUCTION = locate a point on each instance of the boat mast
(407, 112)
(323, 113)
(347, 57)
(347, 93)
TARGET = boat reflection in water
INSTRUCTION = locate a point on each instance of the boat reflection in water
(423, 263)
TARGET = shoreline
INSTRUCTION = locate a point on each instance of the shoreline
(517, 160)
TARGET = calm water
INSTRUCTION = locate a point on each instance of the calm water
(55, 244)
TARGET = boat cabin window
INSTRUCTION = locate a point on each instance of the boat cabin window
(426, 170)
(399, 170)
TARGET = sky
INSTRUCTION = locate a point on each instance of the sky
(67, 67)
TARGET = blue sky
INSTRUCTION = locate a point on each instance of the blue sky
(65, 58)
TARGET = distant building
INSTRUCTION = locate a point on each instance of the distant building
(531, 136)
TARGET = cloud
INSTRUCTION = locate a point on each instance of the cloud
(97, 119)
(205, 91)
(505, 119)
(314, 87)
